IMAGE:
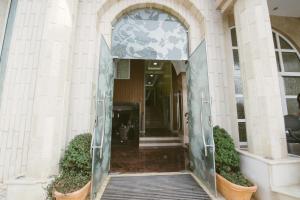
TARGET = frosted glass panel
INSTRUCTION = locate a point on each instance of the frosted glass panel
(102, 132)
(284, 44)
(149, 34)
(242, 132)
(292, 106)
(7, 40)
(274, 40)
(292, 85)
(238, 85)
(236, 59)
(291, 62)
(240, 108)
(278, 61)
(233, 37)
(200, 129)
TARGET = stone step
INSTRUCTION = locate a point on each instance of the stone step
(159, 138)
(149, 142)
(290, 192)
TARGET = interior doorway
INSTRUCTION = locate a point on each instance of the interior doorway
(140, 36)
(160, 88)
(145, 132)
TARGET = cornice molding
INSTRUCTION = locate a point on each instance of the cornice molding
(224, 5)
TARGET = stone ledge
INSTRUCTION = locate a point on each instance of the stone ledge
(26, 188)
(269, 175)
(290, 159)
(291, 191)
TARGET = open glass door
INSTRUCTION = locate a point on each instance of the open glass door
(101, 142)
(202, 159)
(4, 48)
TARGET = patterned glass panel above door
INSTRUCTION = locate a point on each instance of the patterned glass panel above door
(149, 34)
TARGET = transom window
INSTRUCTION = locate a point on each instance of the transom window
(288, 65)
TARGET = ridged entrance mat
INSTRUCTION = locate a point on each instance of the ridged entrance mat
(154, 187)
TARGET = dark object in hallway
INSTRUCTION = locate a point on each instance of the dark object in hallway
(125, 123)
(127, 158)
(292, 127)
(155, 187)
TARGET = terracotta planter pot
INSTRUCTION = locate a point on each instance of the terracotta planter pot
(77, 195)
(232, 191)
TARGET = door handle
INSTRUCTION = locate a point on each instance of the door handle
(187, 115)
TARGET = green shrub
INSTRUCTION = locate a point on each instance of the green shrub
(77, 155)
(74, 167)
(227, 158)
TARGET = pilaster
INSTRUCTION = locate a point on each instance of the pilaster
(265, 125)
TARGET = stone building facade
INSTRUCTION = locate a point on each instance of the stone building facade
(49, 64)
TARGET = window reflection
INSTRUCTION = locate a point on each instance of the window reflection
(291, 62)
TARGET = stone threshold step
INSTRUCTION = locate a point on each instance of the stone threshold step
(159, 138)
(291, 191)
(160, 144)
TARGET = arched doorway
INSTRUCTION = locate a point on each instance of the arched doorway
(155, 36)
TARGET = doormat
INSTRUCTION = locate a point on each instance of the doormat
(154, 187)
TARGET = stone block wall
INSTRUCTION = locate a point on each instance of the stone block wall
(35, 95)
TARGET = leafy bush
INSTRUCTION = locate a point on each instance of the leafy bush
(227, 158)
(74, 167)
(77, 156)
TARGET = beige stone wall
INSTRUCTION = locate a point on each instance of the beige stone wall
(265, 125)
(96, 19)
(35, 95)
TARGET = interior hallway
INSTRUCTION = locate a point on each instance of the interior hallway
(129, 159)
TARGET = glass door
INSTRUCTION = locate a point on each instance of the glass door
(202, 159)
(4, 50)
(101, 142)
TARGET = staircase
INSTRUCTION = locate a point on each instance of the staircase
(152, 142)
(154, 117)
(157, 135)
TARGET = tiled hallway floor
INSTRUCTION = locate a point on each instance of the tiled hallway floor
(126, 159)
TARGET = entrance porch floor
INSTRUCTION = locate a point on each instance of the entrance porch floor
(128, 159)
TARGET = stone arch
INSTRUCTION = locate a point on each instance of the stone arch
(166, 36)
(154, 5)
(185, 11)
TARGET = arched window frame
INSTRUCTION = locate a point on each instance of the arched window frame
(281, 73)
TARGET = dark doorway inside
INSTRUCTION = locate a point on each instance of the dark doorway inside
(143, 113)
